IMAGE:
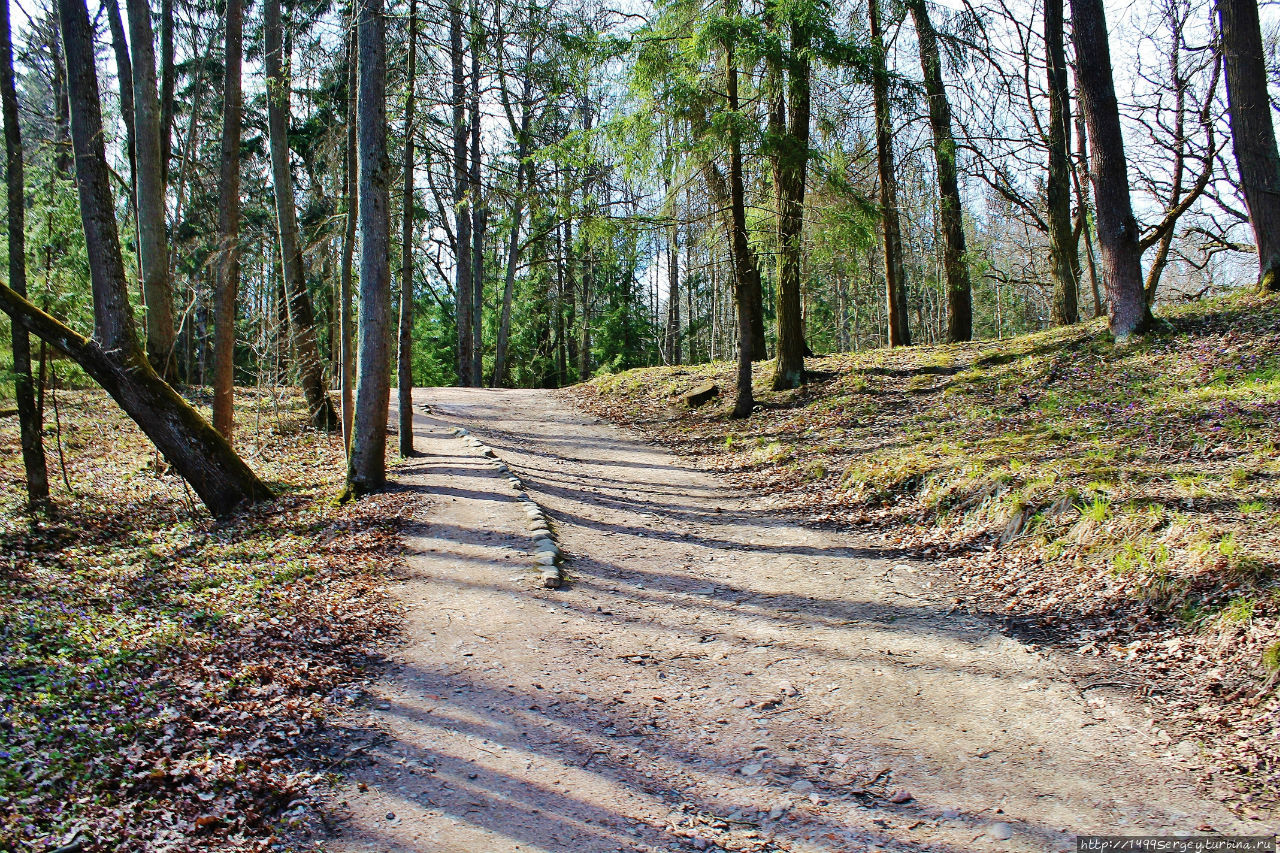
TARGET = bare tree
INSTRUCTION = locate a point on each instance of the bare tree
(1128, 312)
(1063, 241)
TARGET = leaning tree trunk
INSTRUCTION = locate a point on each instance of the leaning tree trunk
(29, 416)
(346, 319)
(792, 165)
(302, 322)
(744, 403)
(894, 272)
(1062, 236)
(959, 290)
(367, 465)
(114, 357)
(153, 247)
(228, 262)
(461, 214)
(1117, 229)
(1252, 133)
(405, 360)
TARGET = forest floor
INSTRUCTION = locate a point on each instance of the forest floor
(163, 676)
(715, 675)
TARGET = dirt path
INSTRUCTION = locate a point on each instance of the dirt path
(711, 677)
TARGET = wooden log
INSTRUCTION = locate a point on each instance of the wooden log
(700, 394)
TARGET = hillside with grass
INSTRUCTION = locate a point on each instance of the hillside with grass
(1120, 505)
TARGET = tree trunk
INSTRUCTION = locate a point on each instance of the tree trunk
(1117, 228)
(302, 323)
(479, 216)
(366, 469)
(1082, 215)
(167, 80)
(346, 318)
(500, 367)
(744, 402)
(153, 244)
(1252, 132)
(894, 273)
(115, 358)
(228, 263)
(791, 165)
(29, 416)
(720, 197)
(674, 355)
(956, 266)
(124, 73)
(404, 378)
(1062, 237)
(463, 294)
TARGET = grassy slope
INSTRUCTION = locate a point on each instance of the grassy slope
(1121, 504)
(159, 671)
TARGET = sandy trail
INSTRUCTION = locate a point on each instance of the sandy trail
(712, 677)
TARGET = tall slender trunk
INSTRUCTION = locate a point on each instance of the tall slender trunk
(955, 265)
(1083, 208)
(124, 73)
(61, 107)
(463, 293)
(586, 289)
(346, 315)
(1062, 236)
(744, 401)
(404, 377)
(479, 215)
(720, 197)
(895, 275)
(228, 265)
(792, 167)
(29, 416)
(672, 336)
(153, 248)
(500, 367)
(367, 468)
(301, 312)
(1117, 228)
(115, 357)
(1252, 133)
(168, 73)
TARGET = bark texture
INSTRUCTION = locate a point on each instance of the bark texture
(951, 212)
(1252, 132)
(302, 321)
(1062, 236)
(346, 319)
(1128, 313)
(792, 165)
(744, 402)
(366, 467)
(405, 350)
(462, 285)
(227, 283)
(153, 248)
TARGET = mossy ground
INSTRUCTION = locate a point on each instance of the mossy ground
(1083, 494)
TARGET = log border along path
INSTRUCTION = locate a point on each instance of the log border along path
(710, 676)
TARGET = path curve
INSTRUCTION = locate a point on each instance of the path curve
(710, 677)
